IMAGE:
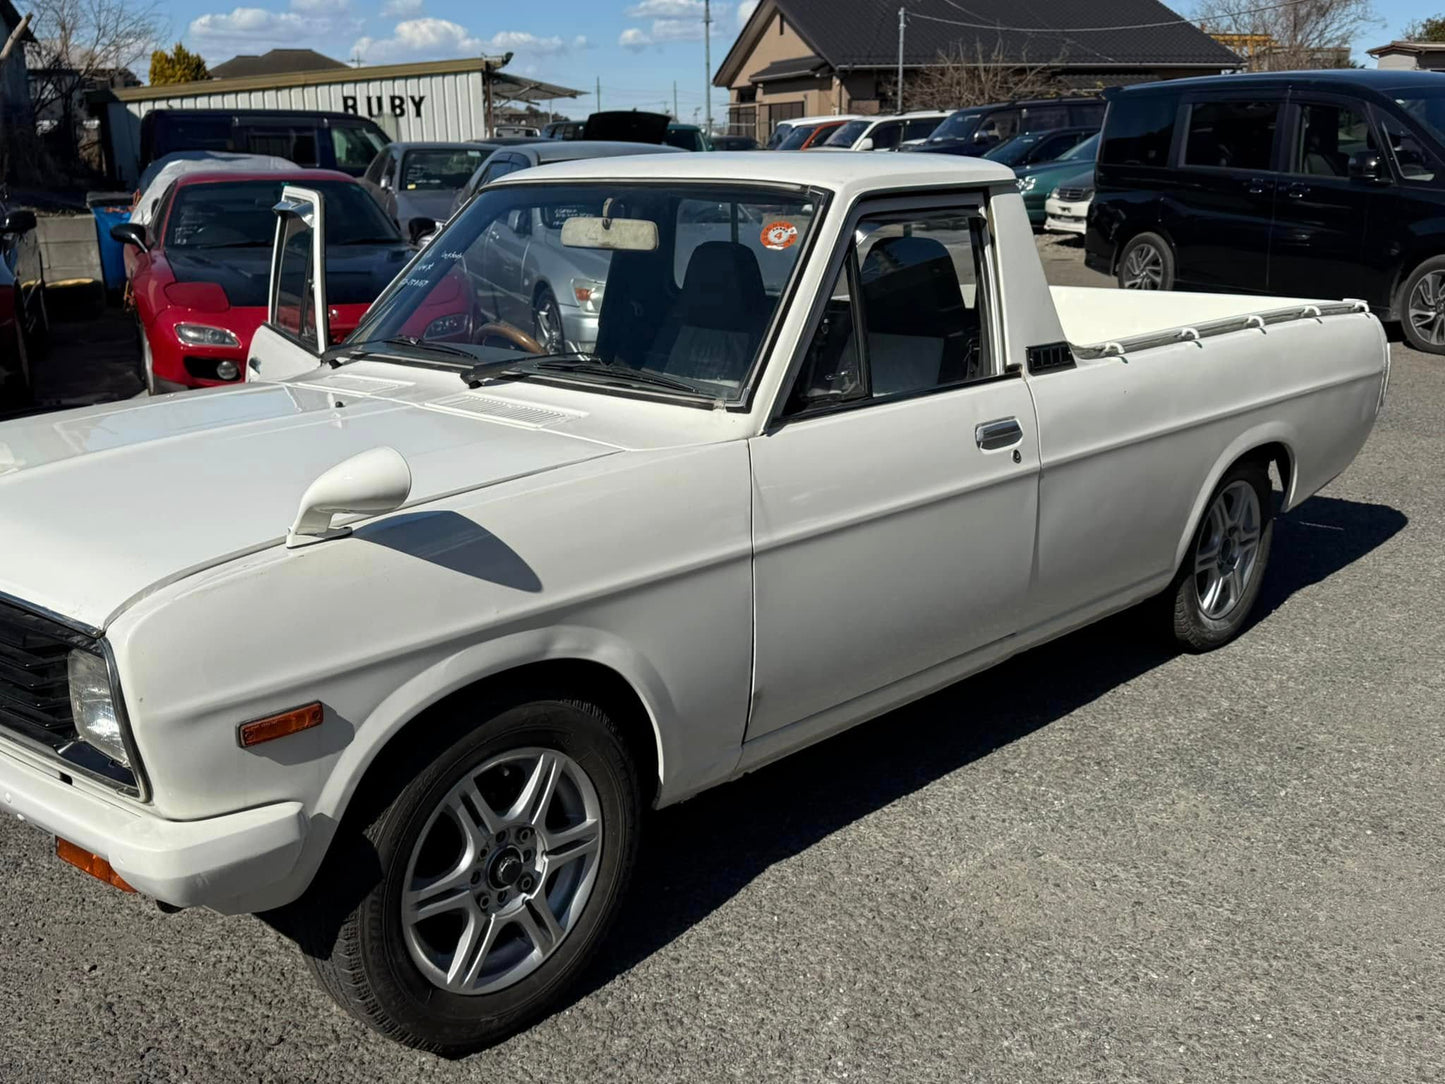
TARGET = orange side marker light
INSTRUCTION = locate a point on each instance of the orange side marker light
(278, 726)
(93, 864)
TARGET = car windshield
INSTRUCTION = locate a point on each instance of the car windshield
(1426, 107)
(238, 214)
(666, 288)
(1014, 151)
(799, 135)
(1086, 151)
(847, 134)
(683, 138)
(956, 126)
(438, 169)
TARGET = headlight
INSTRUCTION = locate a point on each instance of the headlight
(588, 293)
(1026, 184)
(96, 719)
(203, 335)
(1088, 194)
(442, 326)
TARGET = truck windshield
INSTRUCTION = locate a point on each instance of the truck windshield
(1427, 108)
(606, 283)
(847, 134)
(960, 125)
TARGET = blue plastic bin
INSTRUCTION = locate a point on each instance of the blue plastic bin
(112, 252)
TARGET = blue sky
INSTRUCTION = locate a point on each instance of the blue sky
(638, 48)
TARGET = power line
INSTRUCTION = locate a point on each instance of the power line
(1066, 30)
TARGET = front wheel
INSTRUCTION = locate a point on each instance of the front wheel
(496, 871)
(1147, 263)
(1422, 313)
(547, 322)
(1219, 582)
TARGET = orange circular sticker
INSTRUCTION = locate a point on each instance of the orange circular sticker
(779, 235)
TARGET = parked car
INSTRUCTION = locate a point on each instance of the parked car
(199, 274)
(784, 128)
(1067, 208)
(528, 130)
(1037, 182)
(162, 173)
(800, 137)
(734, 143)
(883, 133)
(416, 182)
(687, 137)
(1326, 183)
(1032, 148)
(563, 129)
(976, 129)
(340, 141)
(525, 597)
(24, 320)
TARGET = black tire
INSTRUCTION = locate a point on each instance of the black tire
(143, 368)
(1194, 627)
(1147, 250)
(349, 923)
(1420, 336)
(544, 305)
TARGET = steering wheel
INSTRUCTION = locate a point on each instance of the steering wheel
(517, 338)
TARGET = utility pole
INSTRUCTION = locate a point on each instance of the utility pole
(674, 101)
(707, 60)
(902, 22)
(598, 99)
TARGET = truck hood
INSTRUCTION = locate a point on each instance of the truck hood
(99, 506)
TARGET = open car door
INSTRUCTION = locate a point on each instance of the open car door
(296, 331)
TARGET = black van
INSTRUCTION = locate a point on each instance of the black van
(311, 139)
(1327, 184)
(980, 128)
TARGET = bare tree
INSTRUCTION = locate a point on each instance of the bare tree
(962, 78)
(81, 42)
(1303, 34)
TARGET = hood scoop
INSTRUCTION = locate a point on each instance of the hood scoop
(508, 411)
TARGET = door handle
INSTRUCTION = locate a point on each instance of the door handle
(1002, 433)
(1297, 191)
(1256, 186)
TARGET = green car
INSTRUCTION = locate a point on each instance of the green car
(1036, 182)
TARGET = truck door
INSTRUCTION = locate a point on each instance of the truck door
(895, 492)
(296, 331)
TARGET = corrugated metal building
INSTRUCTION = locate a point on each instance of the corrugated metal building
(444, 99)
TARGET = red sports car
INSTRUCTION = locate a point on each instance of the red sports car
(200, 280)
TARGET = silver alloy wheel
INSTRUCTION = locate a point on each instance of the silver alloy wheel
(502, 871)
(1226, 556)
(547, 320)
(1143, 268)
(1427, 308)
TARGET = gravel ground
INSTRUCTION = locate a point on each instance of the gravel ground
(1102, 861)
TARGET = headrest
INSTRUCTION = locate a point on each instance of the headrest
(723, 288)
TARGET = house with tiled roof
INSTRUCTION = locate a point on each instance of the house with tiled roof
(809, 57)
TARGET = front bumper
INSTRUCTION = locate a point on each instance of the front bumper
(1066, 217)
(185, 863)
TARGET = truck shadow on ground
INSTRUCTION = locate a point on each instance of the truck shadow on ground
(700, 854)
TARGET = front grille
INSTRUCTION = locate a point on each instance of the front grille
(35, 693)
(1070, 195)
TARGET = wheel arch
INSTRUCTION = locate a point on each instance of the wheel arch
(1271, 445)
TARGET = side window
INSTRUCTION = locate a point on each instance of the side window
(886, 136)
(295, 293)
(904, 316)
(1138, 130)
(999, 126)
(373, 171)
(1087, 115)
(303, 147)
(1413, 160)
(921, 128)
(1041, 118)
(353, 146)
(388, 171)
(1231, 135)
(770, 231)
(1326, 138)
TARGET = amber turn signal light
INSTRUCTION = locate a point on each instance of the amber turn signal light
(93, 864)
(278, 726)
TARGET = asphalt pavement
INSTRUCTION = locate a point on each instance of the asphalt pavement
(1103, 861)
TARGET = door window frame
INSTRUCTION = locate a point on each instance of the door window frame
(1293, 118)
(971, 202)
(295, 201)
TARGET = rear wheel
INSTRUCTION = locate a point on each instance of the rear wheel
(1219, 581)
(494, 873)
(1422, 308)
(1147, 263)
(547, 321)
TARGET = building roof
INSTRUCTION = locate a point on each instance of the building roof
(1098, 34)
(1407, 48)
(276, 62)
(508, 87)
(10, 19)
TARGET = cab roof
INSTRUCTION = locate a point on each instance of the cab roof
(284, 176)
(1376, 79)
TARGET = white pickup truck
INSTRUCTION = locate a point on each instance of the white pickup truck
(837, 444)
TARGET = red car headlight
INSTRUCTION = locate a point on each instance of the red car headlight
(205, 335)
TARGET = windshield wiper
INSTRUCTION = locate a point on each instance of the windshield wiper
(591, 365)
(428, 344)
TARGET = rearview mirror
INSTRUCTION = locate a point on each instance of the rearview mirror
(865, 144)
(130, 233)
(630, 234)
(1366, 166)
(18, 222)
(420, 227)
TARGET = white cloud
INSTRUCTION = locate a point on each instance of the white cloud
(666, 9)
(401, 8)
(314, 23)
(431, 38)
(745, 11)
(634, 39)
(321, 7)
